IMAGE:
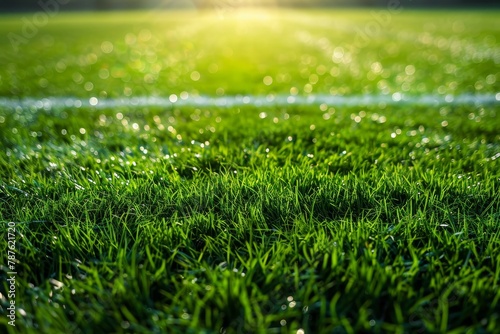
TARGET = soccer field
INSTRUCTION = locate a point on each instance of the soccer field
(250, 171)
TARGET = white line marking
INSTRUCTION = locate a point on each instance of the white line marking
(241, 100)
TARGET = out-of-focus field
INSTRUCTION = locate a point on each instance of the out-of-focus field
(338, 52)
(311, 218)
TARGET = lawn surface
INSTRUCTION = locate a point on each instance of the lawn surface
(308, 218)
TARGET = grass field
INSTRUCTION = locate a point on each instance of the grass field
(282, 218)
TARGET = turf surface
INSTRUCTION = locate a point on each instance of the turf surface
(273, 219)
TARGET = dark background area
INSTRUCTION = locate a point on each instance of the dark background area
(34, 5)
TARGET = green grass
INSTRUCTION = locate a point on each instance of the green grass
(329, 219)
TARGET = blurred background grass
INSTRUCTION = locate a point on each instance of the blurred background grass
(339, 52)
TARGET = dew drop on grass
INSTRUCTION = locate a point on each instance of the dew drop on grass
(107, 47)
(88, 86)
(397, 97)
(104, 73)
(195, 76)
(410, 70)
(77, 78)
(43, 83)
